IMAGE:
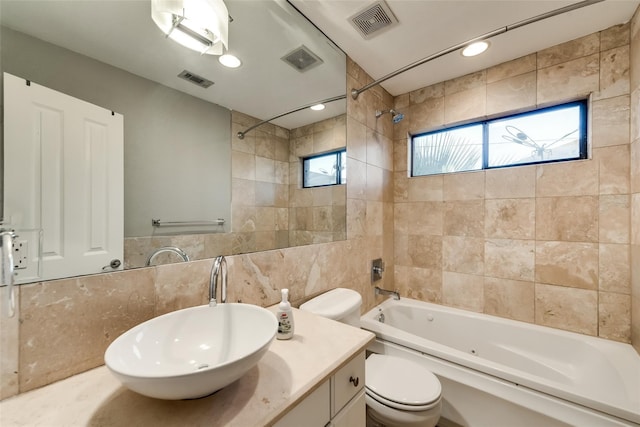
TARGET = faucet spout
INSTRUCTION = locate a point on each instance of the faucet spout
(219, 269)
(182, 254)
(380, 291)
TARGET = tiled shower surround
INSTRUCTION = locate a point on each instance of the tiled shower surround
(549, 244)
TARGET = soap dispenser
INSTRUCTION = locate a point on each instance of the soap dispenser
(285, 317)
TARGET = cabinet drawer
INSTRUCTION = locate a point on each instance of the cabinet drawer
(313, 411)
(347, 382)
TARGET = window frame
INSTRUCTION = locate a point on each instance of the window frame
(583, 148)
(339, 167)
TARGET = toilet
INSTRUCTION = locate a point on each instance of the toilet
(398, 392)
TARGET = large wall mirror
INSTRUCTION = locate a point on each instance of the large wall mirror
(183, 161)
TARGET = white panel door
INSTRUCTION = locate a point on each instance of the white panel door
(63, 180)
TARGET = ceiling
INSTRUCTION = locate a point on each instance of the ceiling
(427, 27)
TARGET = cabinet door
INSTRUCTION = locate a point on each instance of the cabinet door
(352, 415)
(313, 411)
(348, 381)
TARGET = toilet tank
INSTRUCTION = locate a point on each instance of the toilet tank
(338, 304)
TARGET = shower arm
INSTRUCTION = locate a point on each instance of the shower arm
(241, 135)
(502, 30)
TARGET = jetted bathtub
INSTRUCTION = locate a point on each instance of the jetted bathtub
(500, 372)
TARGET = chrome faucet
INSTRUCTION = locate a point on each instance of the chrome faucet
(219, 268)
(380, 291)
(182, 254)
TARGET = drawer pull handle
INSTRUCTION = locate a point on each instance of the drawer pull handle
(355, 381)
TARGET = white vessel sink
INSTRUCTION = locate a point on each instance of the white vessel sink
(193, 352)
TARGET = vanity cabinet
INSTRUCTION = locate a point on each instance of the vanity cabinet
(338, 402)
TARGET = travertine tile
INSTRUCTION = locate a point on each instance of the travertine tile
(400, 187)
(355, 218)
(464, 218)
(469, 81)
(511, 94)
(426, 115)
(464, 186)
(426, 188)
(513, 68)
(9, 344)
(400, 158)
(614, 72)
(568, 51)
(374, 183)
(246, 144)
(614, 168)
(464, 291)
(401, 101)
(66, 325)
(423, 218)
(572, 219)
(422, 284)
(179, 286)
(425, 251)
(567, 264)
(265, 169)
(513, 299)
(614, 219)
(510, 183)
(243, 165)
(265, 145)
(243, 219)
(615, 36)
(635, 167)
(614, 316)
(510, 218)
(571, 309)
(509, 259)
(635, 218)
(610, 121)
(374, 216)
(569, 79)
(465, 105)
(379, 150)
(463, 255)
(578, 178)
(356, 179)
(430, 92)
(357, 140)
(615, 268)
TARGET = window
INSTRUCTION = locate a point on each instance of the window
(546, 135)
(325, 169)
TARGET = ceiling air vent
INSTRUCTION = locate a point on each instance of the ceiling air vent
(302, 59)
(195, 79)
(373, 20)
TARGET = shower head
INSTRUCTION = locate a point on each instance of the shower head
(396, 116)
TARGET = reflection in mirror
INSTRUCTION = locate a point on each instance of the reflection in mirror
(182, 160)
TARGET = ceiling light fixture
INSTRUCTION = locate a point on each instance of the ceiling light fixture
(200, 25)
(317, 107)
(229, 61)
(475, 48)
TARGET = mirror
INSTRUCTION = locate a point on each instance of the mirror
(182, 159)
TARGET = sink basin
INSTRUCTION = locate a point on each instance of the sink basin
(193, 352)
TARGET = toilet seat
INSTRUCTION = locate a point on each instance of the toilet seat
(401, 384)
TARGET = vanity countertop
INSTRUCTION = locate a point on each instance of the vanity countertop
(286, 374)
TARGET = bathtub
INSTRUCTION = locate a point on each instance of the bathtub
(500, 372)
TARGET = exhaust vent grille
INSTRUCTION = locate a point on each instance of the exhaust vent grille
(373, 20)
(195, 79)
(302, 59)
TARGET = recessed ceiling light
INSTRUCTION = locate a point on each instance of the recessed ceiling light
(475, 48)
(229, 61)
(317, 107)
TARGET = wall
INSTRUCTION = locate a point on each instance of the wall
(545, 244)
(172, 139)
(635, 181)
(63, 327)
(316, 215)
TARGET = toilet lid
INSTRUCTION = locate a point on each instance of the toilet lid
(401, 381)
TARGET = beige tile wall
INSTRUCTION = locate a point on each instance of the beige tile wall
(316, 215)
(547, 244)
(65, 326)
(635, 180)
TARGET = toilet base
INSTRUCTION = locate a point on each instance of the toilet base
(379, 415)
